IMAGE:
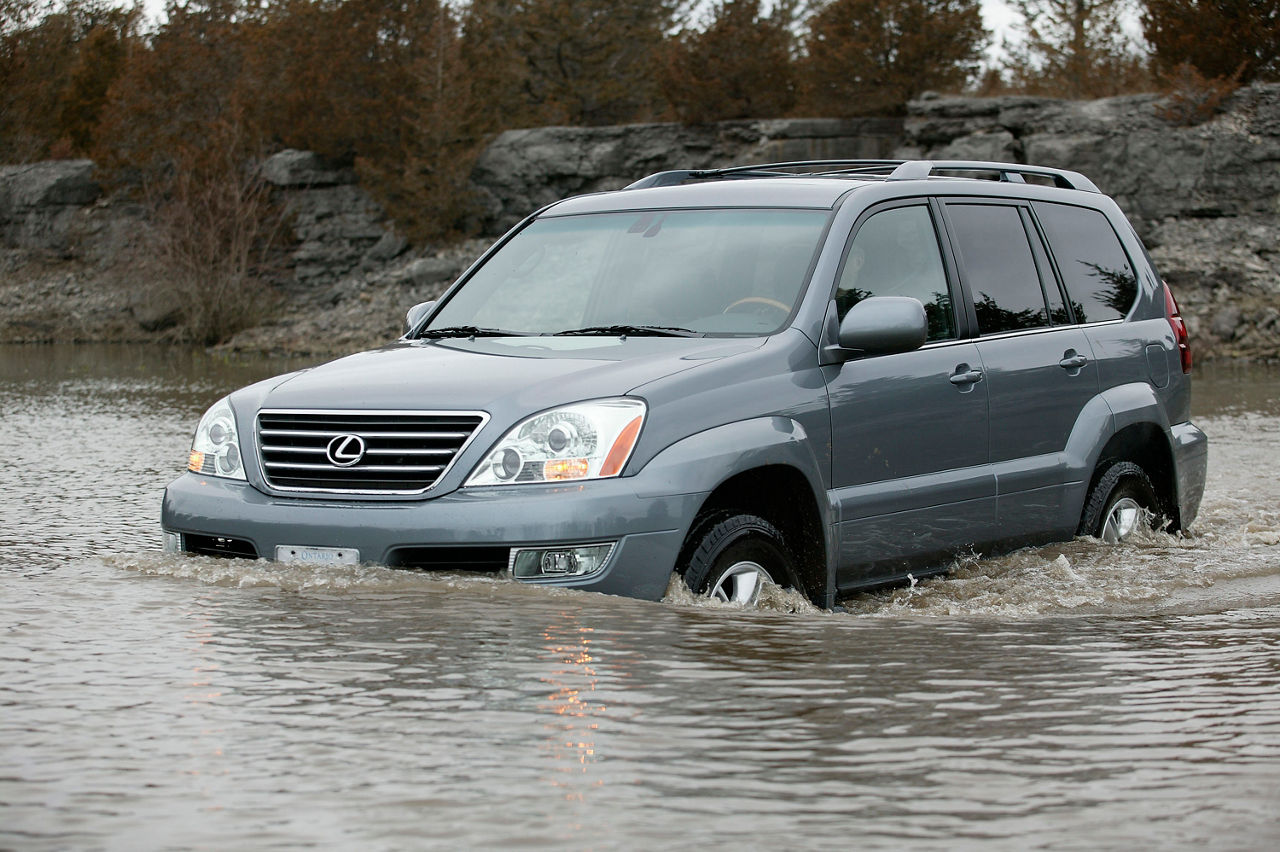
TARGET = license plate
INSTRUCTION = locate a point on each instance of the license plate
(290, 553)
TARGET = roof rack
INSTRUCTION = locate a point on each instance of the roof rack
(1006, 172)
(886, 169)
(815, 168)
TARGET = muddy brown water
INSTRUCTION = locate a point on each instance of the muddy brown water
(1067, 697)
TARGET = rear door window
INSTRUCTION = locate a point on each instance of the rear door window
(999, 267)
(1093, 263)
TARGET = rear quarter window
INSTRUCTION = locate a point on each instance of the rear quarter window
(1097, 274)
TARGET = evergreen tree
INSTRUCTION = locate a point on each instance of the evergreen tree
(56, 64)
(1073, 49)
(100, 58)
(872, 56)
(1218, 38)
(175, 104)
(580, 62)
(739, 65)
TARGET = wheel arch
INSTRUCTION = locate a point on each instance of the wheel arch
(780, 494)
(766, 466)
(1126, 422)
(1146, 445)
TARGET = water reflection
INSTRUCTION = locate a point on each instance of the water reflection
(571, 738)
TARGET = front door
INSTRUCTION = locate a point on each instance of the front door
(909, 431)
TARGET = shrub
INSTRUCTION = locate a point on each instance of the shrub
(1191, 98)
(216, 238)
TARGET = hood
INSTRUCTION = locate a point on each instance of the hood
(528, 373)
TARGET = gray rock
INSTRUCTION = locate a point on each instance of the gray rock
(336, 227)
(294, 169)
(40, 203)
(388, 247)
(52, 183)
(1226, 323)
(432, 270)
(157, 316)
(994, 146)
(523, 170)
(1228, 166)
(1205, 198)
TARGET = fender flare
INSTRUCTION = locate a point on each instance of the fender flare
(1104, 417)
(701, 462)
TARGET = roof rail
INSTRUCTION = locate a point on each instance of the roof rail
(674, 178)
(827, 167)
(1008, 172)
(889, 169)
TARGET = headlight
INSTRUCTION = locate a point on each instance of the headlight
(216, 448)
(588, 440)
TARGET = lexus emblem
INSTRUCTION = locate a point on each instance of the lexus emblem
(345, 450)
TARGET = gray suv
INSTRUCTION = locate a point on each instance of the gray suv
(824, 374)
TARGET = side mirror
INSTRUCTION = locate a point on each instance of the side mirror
(883, 325)
(416, 313)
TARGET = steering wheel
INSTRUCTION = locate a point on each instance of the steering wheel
(759, 300)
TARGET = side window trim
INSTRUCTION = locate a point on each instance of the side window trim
(960, 295)
(961, 302)
(1048, 270)
(963, 326)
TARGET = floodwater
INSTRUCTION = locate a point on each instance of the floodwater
(1069, 697)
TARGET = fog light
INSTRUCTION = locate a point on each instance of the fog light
(546, 562)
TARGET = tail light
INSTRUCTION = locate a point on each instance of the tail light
(1179, 328)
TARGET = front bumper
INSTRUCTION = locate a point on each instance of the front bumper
(648, 530)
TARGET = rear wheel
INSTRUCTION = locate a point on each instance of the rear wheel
(732, 555)
(1121, 501)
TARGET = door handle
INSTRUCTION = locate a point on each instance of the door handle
(1073, 362)
(966, 378)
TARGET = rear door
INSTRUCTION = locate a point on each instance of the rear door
(1038, 367)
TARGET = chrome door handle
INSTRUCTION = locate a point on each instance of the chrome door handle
(968, 378)
(1073, 362)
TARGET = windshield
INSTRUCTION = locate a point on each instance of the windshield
(735, 272)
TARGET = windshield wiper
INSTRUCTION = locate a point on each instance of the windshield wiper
(634, 330)
(467, 331)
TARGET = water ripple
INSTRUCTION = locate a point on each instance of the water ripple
(1067, 697)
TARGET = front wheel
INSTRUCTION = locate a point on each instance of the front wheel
(1120, 502)
(732, 556)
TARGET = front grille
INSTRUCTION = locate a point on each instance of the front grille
(394, 452)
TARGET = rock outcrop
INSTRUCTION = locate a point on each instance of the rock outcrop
(39, 202)
(523, 170)
(60, 242)
(1205, 198)
(336, 224)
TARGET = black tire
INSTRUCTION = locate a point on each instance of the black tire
(726, 548)
(1121, 499)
